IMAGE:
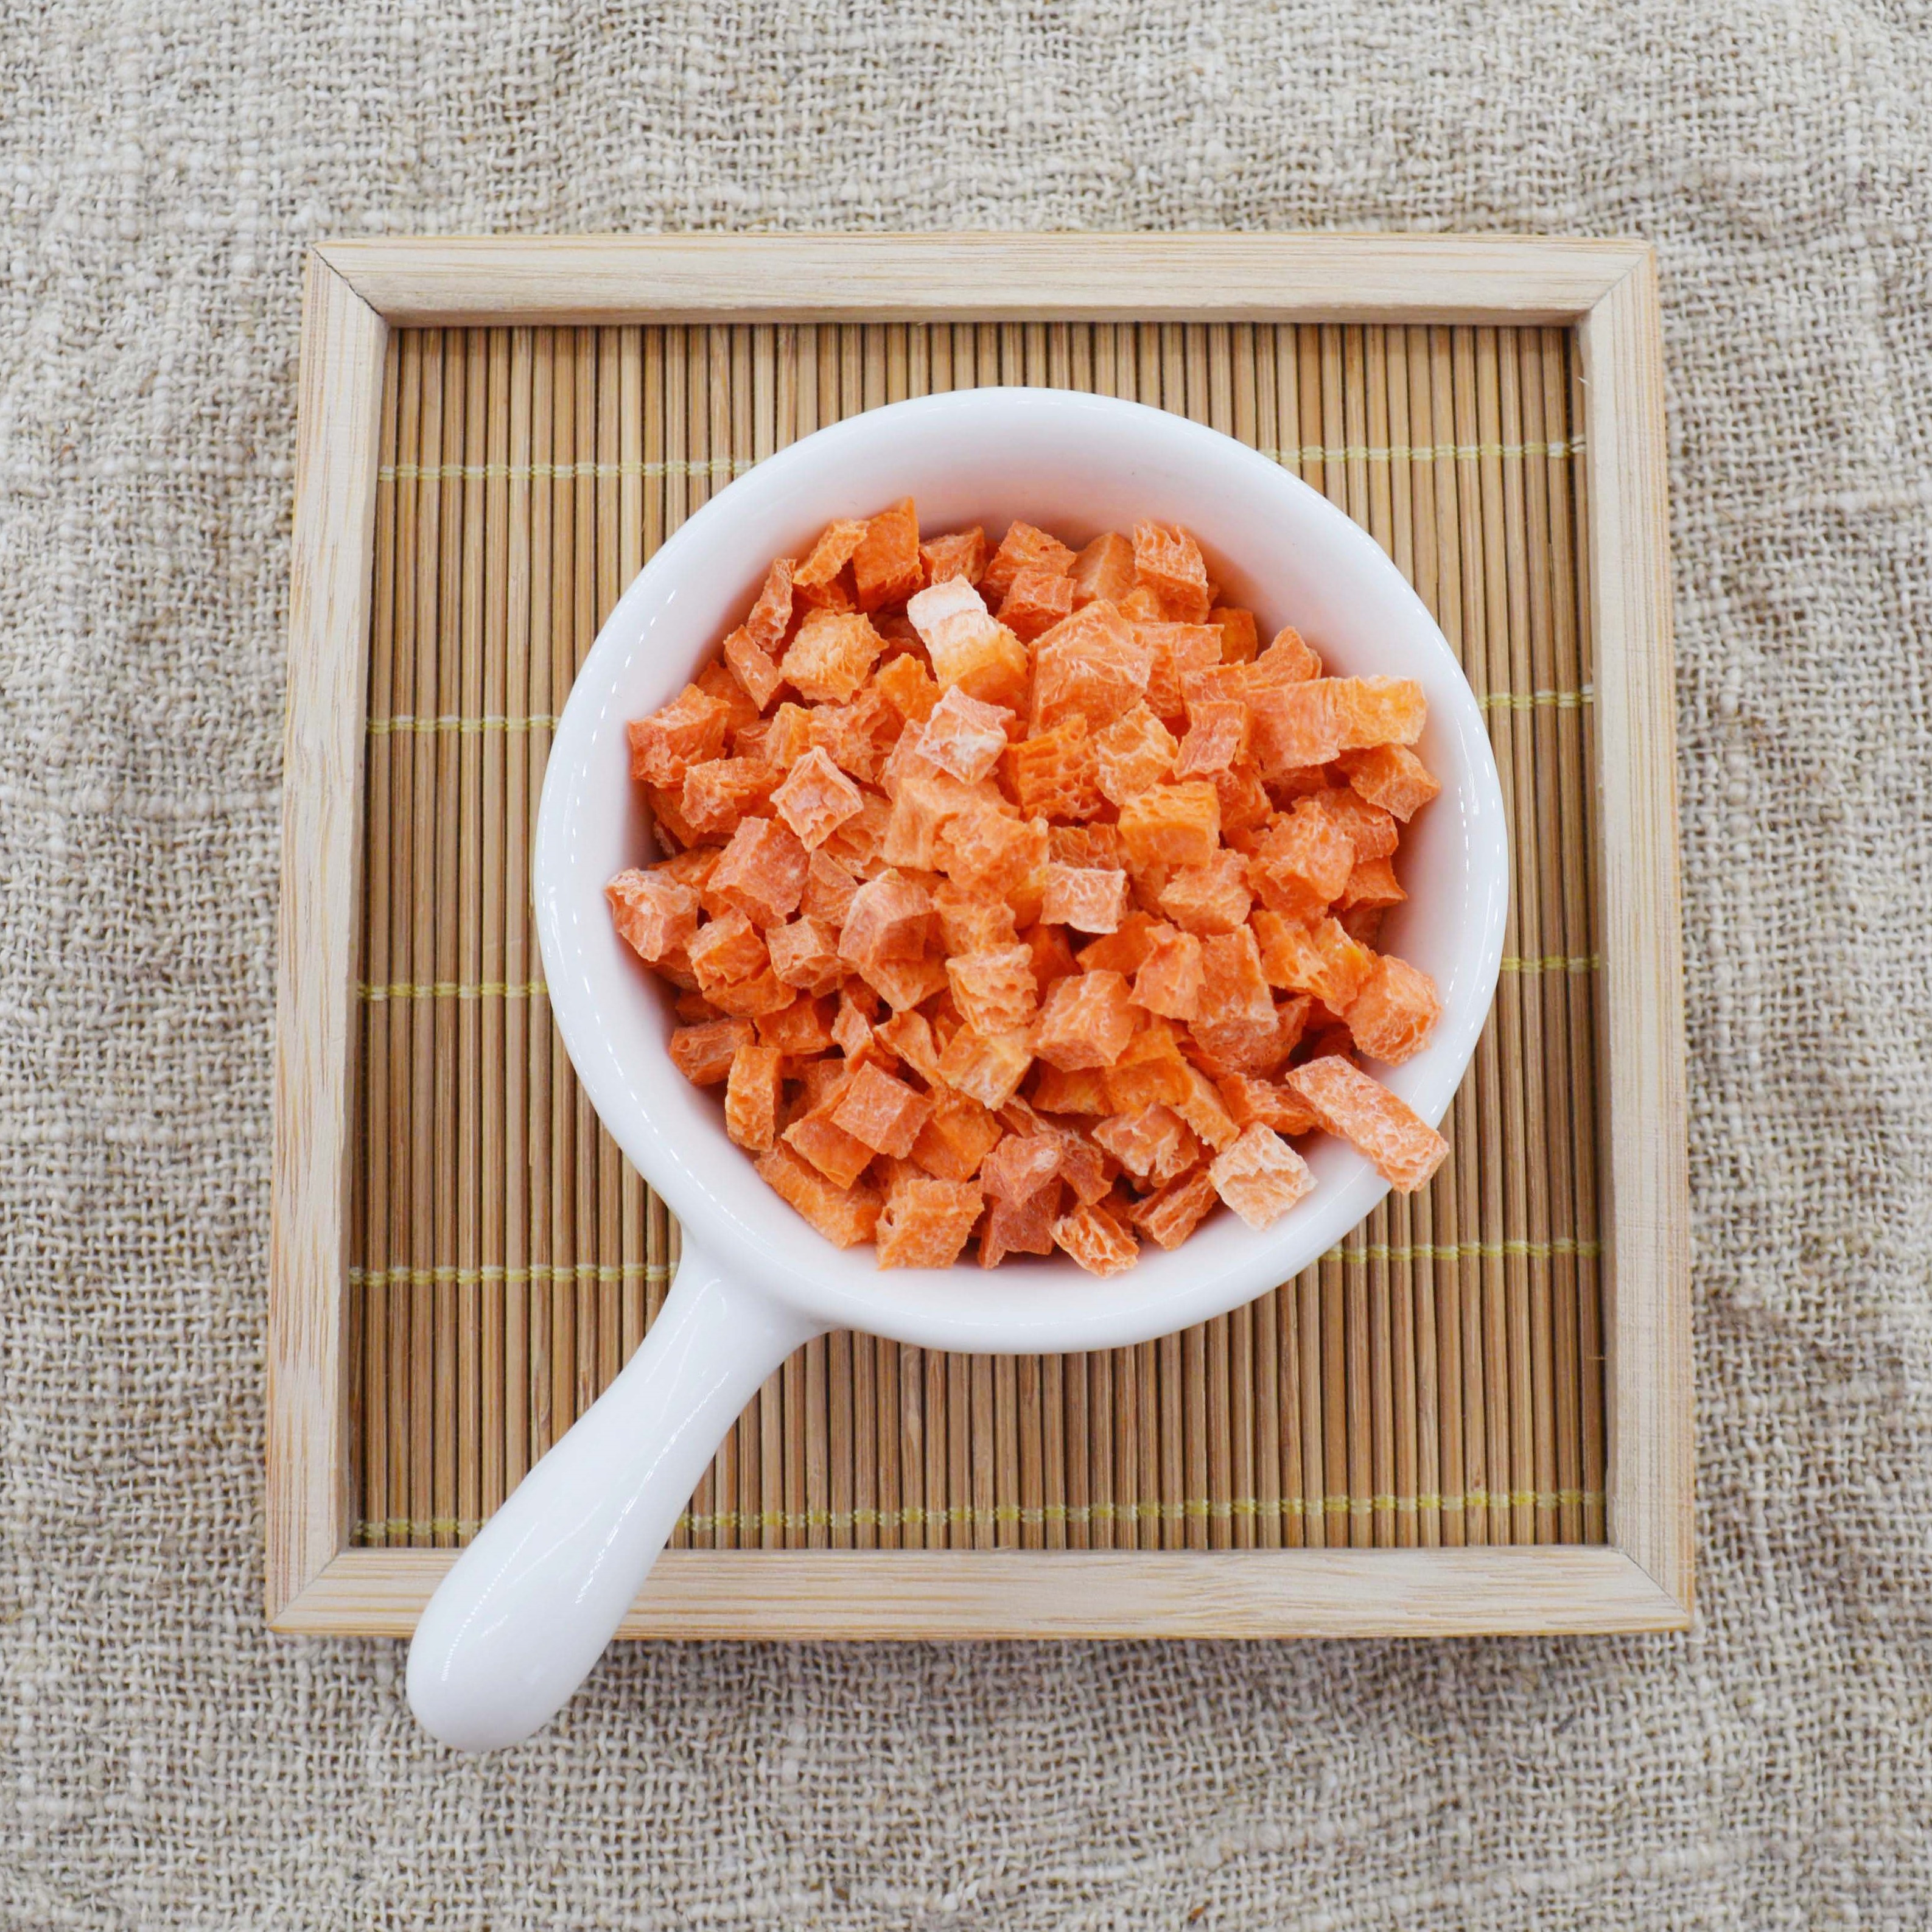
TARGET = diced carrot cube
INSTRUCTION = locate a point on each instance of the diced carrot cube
(1239, 638)
(1260, 1176)
(1371, 831)
(718, 793)
(1172, 825)
(1393, 777)
(959, 553)
(1249, 1101)
(1087, 1020)
(906, 685)
(858, 737)
(1141, 606)
(804, 1027)
(688, 731)
(995, 990)
(1055, 774)
(1154, 1142)
(654, 915)
(964, 736)
(1403, 1148)
(969, 647)
(904, 983)
(704, 1053)
(1173, 1212)
(1135, 752)
(886, 567)
(1288, 659)
(1020, 1228)
(715, 680)
(1393, 1015)
(1090, 899)
(957, 1139)
(971, 922)
(1091, 844)
(926, 1222)
(752, 1097)
(770, 615)
(858, 843)
(987, 1067)
(1169, 979)
(1217, 734)
(845, 1215)
(805, 954)
(1244, 801)
(1052, 957)
(830, 555)
(1150, 1069)
(1372, 883)
(840, 1156)
(1095, 1241)
(755, 667)
(923, 806)
(762, 872)
(1020, 1166)
(1105, 569)
(1167, 562)
(988, 850)
(728, 948)
(1091, 663)
(763, 992)
(1023, 548)
(1179, 652)
(829, 888)
(787, 735)
(890, 918)
(884, 1113)
(1203, 1109)
(1232, 987)
(1301, 863)
(1084, 1091)
(1209, 898)
(816, 798)
(1036, 601)
(1319, 958)
(832, 655)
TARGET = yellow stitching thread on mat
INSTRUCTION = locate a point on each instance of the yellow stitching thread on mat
(539, 1271)
(962, 1517)
(1554, 962)
(558, 472)
(449, 989)
(1539, 700)
(403, 721)
(1422, 452)
(1535, 1251)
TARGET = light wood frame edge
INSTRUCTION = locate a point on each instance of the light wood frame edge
(356, 290)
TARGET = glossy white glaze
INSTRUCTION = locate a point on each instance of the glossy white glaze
(525, 1612)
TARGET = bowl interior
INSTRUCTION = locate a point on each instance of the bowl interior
(1076, 465)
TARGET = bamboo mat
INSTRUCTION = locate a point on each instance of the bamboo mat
(1437, 1379)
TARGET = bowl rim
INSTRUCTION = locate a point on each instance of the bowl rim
(897, 1304)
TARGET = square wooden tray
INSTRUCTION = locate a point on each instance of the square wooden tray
(1636, 1574)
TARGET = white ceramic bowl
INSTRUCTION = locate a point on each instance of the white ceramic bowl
(755, 1279)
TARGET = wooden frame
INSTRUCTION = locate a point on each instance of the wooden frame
(356, 291)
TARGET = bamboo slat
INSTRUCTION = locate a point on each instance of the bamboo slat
(1437, 1380)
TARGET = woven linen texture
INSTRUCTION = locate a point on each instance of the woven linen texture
(165, 1762)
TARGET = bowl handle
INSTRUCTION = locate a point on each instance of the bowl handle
(516, 1626)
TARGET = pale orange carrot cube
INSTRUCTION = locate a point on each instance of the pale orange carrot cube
(1173, 1211)
(752, 1097)
(957, 1139)
(1092, 844)
(762, 872)
(968, 647)
(845, 1215)
(1373, 883)
(1288, 659)
(1055, 774)
(1086, 1021)
(1403, 1148)
(926, 1222)
(987, 1067)
(704, 1053)
(1090, 898)
(1023, 548)
(803, 1027)
(832, 655)
(1202, 1107)
(715, 680)
(1319, 958)
(717, 794)
(884, 1113)
(909, 1035)
(1209, 898)
(904, 983)
(1249, 1101)
(654, 915)
(1122, 950)
(1084, 1091)
(755, 667)
(922, 806)
(1217, 734)
(1372, 711)
(988, 850)
(805, 954)
(787, 735)
(1244, 801)
(859, 844)
(1179, 652)
(1052, 957)
(1260, 1176)
(816, 798)
(959, 553)
(1239, 638)
(830, 555)
(1096, 1241)
(971, 922)
(1294, 726)
(889, 918)
(1301, 862)
(688, 731)
(1141, 606)
(840, 1156)
(858, 737)
(1020, 1166)
(1167, 563)
(1036, 601)
(1091, 663)
(1153, 1143)
(1135, 752)
(1396, 1011)
(726, 949)
(1104, 570)
(1393, 777)
(964, 736)
(1232, 987)
(1172, 825)
(1373, 832)
(995, 990)
(770, 616)
(829, 885)
(1169, 979)
(886, 567)
(907, 686)
(1020, 1228)
(764, 992)
(1150, 1070)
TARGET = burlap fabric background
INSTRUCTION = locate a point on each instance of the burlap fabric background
(165, 1763)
